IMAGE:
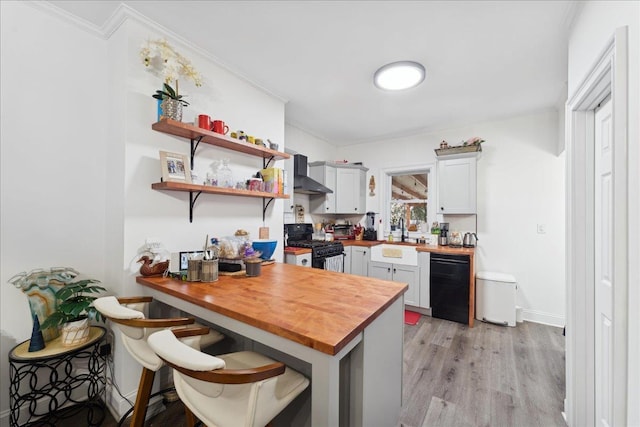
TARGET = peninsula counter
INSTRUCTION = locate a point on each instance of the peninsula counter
(318, 317)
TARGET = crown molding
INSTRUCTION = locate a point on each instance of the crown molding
(123, 13)
(62, 14)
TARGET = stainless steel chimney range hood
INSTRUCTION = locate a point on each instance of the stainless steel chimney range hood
(301, 182)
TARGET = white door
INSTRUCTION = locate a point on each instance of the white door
(604, 316)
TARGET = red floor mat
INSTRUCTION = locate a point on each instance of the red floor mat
(411, 317)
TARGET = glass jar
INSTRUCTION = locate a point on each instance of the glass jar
(225, 176)
(212, 174)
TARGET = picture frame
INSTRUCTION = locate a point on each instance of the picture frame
(184, 258)
(175, 167)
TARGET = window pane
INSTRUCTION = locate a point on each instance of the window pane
(409, 199)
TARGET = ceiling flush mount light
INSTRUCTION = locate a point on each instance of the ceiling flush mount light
(399, 75)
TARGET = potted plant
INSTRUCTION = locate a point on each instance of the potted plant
(171, 102)
(74, 309)
(159, 57)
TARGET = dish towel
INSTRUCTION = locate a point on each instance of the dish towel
(333, 263)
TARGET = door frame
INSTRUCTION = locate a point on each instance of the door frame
(608, 76)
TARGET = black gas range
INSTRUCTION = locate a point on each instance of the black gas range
(323, 254)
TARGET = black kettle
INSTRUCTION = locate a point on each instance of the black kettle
(469, 240)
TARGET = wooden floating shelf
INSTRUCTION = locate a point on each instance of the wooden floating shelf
(192, 132)
(181, 186)
(458, 150)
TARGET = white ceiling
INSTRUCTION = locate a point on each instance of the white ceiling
(484, 59)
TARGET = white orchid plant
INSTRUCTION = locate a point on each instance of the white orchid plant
(160, 56)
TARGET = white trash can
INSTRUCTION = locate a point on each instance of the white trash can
(496, 298)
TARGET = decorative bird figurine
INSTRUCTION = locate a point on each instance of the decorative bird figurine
(152, 270)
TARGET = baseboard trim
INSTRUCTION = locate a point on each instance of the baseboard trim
(543, 318)
(4, 418)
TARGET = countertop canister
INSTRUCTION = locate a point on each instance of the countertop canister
(209, 270)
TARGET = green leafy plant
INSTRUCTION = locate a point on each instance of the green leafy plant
(168, 92)
(75, 303)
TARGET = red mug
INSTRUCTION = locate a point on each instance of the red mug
(220, 127)
(204, 122)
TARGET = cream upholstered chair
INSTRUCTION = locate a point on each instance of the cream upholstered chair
(237, 389)
(127, 313)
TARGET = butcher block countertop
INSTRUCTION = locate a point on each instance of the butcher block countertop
(292, 250)
(420, 247)
(445, 250)
(319, 309)
(369, 243)
(365, 243)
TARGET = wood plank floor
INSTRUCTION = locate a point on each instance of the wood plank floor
(484, 376)
(459, 377)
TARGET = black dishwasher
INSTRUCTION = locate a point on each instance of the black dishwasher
(449, 287)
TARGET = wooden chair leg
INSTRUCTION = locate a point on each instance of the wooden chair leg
(142, 399)
(190, 419)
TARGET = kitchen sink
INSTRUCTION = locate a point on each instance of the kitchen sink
(395, 254)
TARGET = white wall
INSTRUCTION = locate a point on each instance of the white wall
(592, 29)
(520, 185)
(165, 215)
(316, 150)
(53, 141)
(79, 157)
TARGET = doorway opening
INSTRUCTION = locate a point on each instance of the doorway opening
(596, 367)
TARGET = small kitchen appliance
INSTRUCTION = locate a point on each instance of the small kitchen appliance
(443, 240)
(343, 232)
(370, 232)
(470, 240)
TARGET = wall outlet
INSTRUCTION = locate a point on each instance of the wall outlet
(542, 229)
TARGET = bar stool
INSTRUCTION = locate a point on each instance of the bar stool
(236, 389)
(135, 330)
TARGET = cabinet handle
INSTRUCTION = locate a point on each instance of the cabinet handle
(441, 208)
(388, 269)
(394, 271)
(304, 261)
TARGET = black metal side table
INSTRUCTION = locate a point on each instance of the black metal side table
(57, 382)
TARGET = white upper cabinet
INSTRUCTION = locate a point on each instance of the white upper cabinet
(457, 185)
(325, 174)
(349, 185)
(351, 188)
